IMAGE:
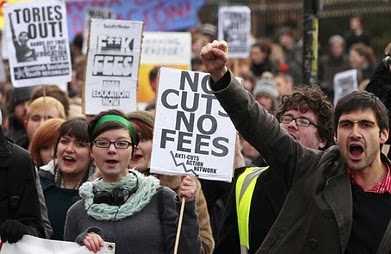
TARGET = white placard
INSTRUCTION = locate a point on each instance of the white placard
(37, 42)
(193, 135)
(165, 48)
(33, 245)
(344, 83)
(112, 65)
(235, 27)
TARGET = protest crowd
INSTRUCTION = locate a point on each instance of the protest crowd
(208, 153)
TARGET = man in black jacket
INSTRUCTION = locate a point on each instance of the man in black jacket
(380, 83)
(20, 212)
(306, 115)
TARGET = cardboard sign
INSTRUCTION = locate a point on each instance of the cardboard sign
(112, 65)
(170, 49)
(32, 245)
(193, 135)
(38, 47)
(235, 27)
(344, 83)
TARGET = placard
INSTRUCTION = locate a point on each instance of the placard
(37, 42)
(193, 135)
(344, 83)
(170, 49)
(112, 65)
(234, 28)
(33, 245)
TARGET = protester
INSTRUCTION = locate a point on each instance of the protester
(335, 60)
(284, 83)
(144, 121)
(362, 58)
(62, 177)
(52, 90)
(266, 93)
(17, 108)
(356, 33)
(20, 212)
(124, 206)
(44, 140)
(40, 110)
(338, 200)
(306, 115)
(260, 58)
(380, 83)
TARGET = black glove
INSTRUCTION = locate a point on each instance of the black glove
(12, 231)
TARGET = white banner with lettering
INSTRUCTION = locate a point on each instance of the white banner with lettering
(193, 135)
(30, 244)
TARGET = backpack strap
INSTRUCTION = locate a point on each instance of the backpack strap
(385, 244)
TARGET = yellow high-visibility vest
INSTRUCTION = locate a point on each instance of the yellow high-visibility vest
(244, 192)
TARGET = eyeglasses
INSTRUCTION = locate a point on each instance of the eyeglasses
(300, 121)
(117, 144)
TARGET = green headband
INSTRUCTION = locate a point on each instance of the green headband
(119, 119)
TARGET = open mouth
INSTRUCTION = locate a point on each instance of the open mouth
(136, 157)
(68, 159)
(356, 150)
(111, 162)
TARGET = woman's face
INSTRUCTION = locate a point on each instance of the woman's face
(112, 161)
(73, 156)
(46, 153)
(356, 60)
(142, 155)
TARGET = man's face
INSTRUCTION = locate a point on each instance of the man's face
(359, 138)
(336, 49)
(38, 116)
(307, 136)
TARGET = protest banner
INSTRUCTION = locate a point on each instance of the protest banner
(32, 245)
(344, 83)
(234, 26)
(157, 15)
(38, 46)
(113, 58)
(193, 135)
(169, 49)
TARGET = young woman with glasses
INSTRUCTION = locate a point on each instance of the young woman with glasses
(124, 206)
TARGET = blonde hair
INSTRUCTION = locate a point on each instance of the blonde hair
(46, 101)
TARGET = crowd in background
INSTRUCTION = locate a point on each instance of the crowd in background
(49, 123)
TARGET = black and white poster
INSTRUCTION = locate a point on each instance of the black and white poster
(344, 83)
(193, 135)
(113, 61)
(37, 43)
(234, 27)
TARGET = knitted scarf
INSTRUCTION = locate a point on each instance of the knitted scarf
(147, 187)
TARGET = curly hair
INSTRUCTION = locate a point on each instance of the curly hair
(311, 98)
